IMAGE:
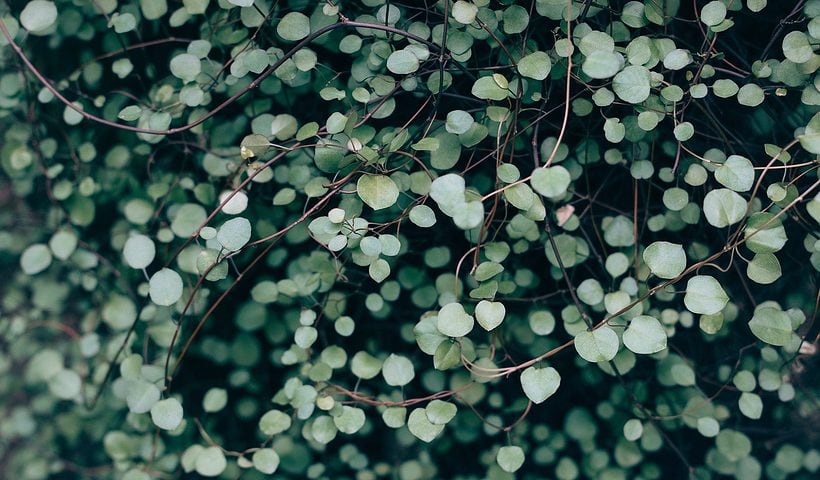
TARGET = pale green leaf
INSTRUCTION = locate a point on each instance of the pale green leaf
(377, 191)
(397, 370)
(704, 295)
(453, 321)
(489, 314)
(632, 84)
(600, 345)
(293, 26)
(536, 65)
(139, 251)
(167, 414)
(723, 207)
(510, 458)
(645, 335)
(540, 383)
(210, 462)
(266, 460)
(551, 182)
(35, 259)
(234, 234)
(772, 326)
(165, 287)
(38, 15)
(664, 259)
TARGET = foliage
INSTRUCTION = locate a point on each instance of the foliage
(577, 239)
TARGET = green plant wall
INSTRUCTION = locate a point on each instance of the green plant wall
(535, 239)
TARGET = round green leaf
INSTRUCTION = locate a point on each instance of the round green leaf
(704, 295)
(645, 335)
(293, 26)
(266, 460)
(797, 47)
(764, 269)
(602, 64)
(750, 95)
(737, 173)
(421, 427)
(38, 15)
(515, 18)
(510, 458)
(464, 12)
(185, 67)
(683, 131)
(422, 216)
(234, 234)
(489, 314)
(677, 59)
(274, 422)
(750, 405)
(210, 462)
(440, 412)
(632, 84)
(167, 414)
(488, 88)
(35, 259)
(366, 366)
(65, 384)
(141, 396)
(772, 326)
(139, 251)
(215, 400)
(551, 182)
(350, 420)
(536, 65)
(459, 122)
(377, 191)
(402, 62)
(664, 259)
(540, 383)
(723, 207)
(397, 370)
(713, 13)
(600, 345)
(165, 287)
(453, 321)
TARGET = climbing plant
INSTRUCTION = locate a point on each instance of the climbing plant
(410, 240)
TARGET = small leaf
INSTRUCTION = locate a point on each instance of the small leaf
(600, 345)
(645, 335)
(713, 13)
(350, 421)
(750, 405)
(274, 422)
(772, 326)
(379, 270)
(234, 234)
(489, 314)
(294, 26)
(632, 84)
(167, 414)
(540, 383)
(35, 259)
(142, 396)
(737, 173)
(422, 216)
(704, 295)
(38, 15)
(139, 251)
(551, 182)
(464, 12)
(165, 287)
(453, 321)
(536, 65)
(402, 62)
(458, 122)
(397, 370)
(764, 269)
(440, 412)
(421, 427)
(723, 207)
(266, 460)
(664, 259)
(510, 458)
(796, 47)
(366, 366)
(215, 400)
(210, 462)
(377, 191)
(487, 88)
